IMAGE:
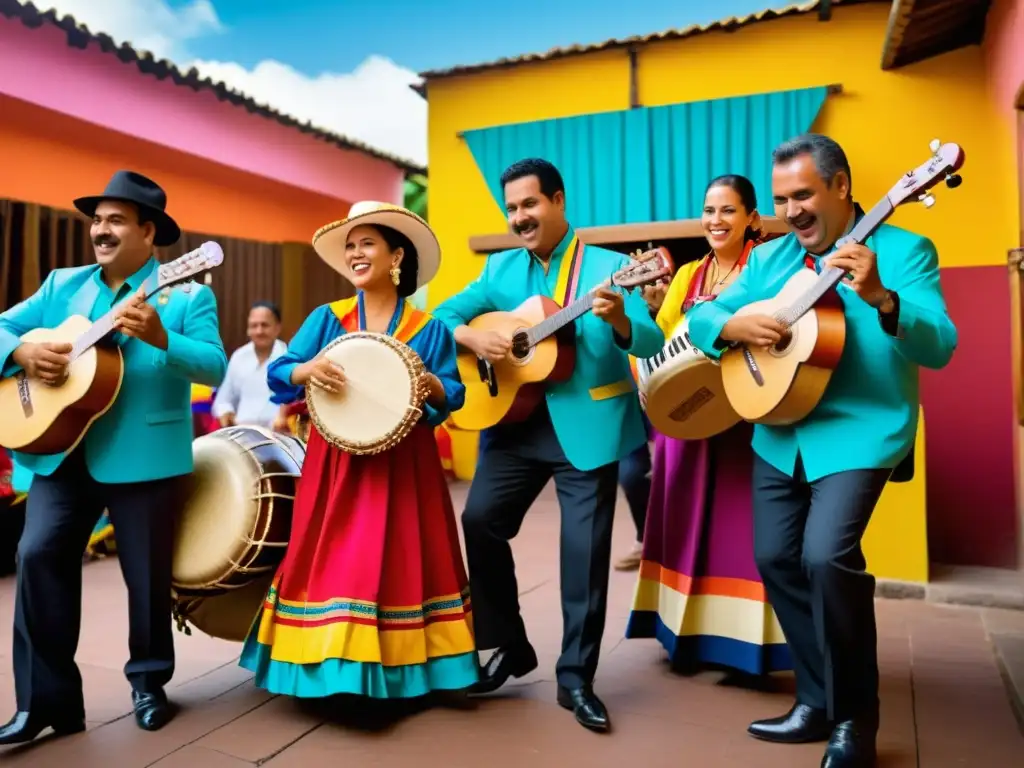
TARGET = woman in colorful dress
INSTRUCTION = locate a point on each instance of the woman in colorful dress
(372, 598)
(699, 592)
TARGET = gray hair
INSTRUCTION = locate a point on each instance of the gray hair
(828, 156)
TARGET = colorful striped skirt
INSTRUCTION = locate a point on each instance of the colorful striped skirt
(699, 592)
(372, 598)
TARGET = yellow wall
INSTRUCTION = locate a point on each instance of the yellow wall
(884, 120)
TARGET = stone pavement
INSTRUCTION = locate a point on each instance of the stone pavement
(943, 700)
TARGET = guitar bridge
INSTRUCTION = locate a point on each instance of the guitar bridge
(487, 376)
(752, 366)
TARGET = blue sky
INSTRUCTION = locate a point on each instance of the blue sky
(346, 66)
(321, 35)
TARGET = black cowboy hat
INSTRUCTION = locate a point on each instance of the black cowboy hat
(131, 187)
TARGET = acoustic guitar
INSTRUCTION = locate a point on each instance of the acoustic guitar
(543, 350)
(39, 419)
(782, 384)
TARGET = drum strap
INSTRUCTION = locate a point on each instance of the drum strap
(569, 273)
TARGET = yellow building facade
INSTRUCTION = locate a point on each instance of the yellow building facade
(883, 119)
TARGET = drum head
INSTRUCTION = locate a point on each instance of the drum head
(217, 521)
(230, 616)
(690, 404)
(376, 398)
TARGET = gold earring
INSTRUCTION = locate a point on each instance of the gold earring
(396, 275)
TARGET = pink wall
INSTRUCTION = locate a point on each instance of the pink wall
(1004, 51)
(98, 88)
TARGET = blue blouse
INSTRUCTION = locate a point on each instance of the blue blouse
(429, 338)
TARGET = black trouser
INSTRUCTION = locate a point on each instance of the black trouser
(62, 511)
(634, 477)
(807, 544)
(514, 466)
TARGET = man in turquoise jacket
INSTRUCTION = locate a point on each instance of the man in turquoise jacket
(132, 461)
(577, 436)
(816, 482)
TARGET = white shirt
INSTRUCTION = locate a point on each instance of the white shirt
(244, 391)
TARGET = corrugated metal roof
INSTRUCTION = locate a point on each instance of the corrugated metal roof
(79, 36)
(727, 25)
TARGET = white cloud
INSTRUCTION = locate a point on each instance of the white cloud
(373, 104)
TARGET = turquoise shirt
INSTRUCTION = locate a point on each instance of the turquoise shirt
(428, 338)
(595, 413)
(153, 408)
(867, 418)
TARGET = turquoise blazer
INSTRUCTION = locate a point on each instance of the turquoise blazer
(147, 434)
(595, 413)
(867, 418)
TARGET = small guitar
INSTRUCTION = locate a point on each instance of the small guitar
(783, 384)
(543, 350)
(40, 419)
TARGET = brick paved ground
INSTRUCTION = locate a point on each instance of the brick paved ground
(943, 701)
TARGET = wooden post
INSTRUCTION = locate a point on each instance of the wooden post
(292, 298)
(30, 273)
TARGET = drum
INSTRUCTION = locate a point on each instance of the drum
(226, 616)
(683, 392)
(382, 398)
(236, 523)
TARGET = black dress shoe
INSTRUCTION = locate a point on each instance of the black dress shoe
(505, 663)
(852, 746)
(800, 725)
(152, 710)
(23, 727)
(589, 710)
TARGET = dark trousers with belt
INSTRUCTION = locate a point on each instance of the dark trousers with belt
(514, 466)
(62, 510)
(807, 544)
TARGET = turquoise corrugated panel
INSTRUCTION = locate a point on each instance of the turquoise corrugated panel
(652, 163)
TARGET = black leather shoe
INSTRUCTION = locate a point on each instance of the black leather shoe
(852, 746)
(23, 728)
(589, 710)
(802, 724)
(152, 710)
(503, 664)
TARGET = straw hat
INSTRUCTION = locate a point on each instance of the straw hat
(329, 241)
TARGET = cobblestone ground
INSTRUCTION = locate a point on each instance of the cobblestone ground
(943, 700)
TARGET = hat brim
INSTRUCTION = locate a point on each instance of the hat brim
(167, 230)
(329, 241)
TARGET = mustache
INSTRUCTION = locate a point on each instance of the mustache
(523, 226)
(105, 240)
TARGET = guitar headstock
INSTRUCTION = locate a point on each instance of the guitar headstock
(944, 163)
(204, 258)
(647, 267)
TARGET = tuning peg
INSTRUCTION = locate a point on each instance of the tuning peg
(927, 200)
(934, 146)
(953, 180)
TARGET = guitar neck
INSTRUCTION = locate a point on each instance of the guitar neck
(105, 324)
(830, 276)
(551, 325)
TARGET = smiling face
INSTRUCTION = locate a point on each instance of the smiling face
(117, 236)
(817, 212)
(370, 259)
(538, 220)
(725, 219)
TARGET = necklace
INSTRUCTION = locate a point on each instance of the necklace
(715, 281)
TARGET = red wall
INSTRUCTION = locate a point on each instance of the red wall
(968, 406)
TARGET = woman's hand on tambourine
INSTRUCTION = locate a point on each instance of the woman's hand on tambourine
(434, 389)
(321, 373)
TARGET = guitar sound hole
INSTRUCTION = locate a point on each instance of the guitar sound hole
(520, 345)
(784, 343)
